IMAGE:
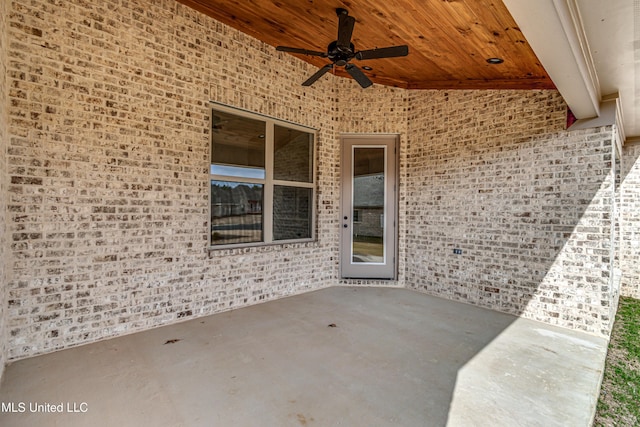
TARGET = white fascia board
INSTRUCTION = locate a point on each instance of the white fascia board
(553, 29)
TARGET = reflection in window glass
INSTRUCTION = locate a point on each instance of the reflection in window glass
(237, 171)
(262, 179)
(292, 155)
(237, 140)
(368, 205)
(236, 212)
(291, 212)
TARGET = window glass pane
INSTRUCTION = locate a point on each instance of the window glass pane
(237, 171)
(236, 212)
(292, 155)
(291, 212)
(237, 141)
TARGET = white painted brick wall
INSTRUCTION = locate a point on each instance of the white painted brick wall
(108, 168)
(4, 244)
(630, 221)
(494, 174)
(378, 109)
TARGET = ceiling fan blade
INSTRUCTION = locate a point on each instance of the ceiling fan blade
(345, 29)
(301, 51)
(321, 72)
(358, 75)
(383, 52)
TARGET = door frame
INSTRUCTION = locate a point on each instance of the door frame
(348, 269)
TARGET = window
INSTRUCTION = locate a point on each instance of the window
(262, 179)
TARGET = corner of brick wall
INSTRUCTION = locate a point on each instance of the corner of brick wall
(495, 174)
(630, 220)
(378, 109)
(108, 166)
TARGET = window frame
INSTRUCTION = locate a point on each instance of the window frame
(268, 182)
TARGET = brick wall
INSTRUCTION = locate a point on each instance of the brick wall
(630, 221)
(4, 249)
(495, 174)
(377, 109)
(108, 166)
(108, 180)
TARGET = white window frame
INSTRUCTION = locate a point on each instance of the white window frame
(268, 182)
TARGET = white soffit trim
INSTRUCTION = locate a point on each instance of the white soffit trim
(607, 117)
(613, 30)
(610, 115)
(554, 30)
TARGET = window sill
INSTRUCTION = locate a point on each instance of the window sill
(223, 250)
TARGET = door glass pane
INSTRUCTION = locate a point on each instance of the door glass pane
(292, 155)
(237, 142)
(368, 205)
(236, 212)
(291, 213)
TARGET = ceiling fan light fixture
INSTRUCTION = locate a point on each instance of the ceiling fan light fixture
(495, 60)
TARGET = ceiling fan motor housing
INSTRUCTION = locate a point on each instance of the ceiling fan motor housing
(339, 55)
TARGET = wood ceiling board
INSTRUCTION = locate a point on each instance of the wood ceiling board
(449, 40)
(510, 84)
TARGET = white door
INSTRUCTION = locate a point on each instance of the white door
(369, 206)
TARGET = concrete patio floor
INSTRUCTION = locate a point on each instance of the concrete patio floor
(340, 356)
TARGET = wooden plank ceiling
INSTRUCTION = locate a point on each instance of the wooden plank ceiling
(449, 40)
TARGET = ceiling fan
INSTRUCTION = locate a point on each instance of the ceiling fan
(341, 51)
